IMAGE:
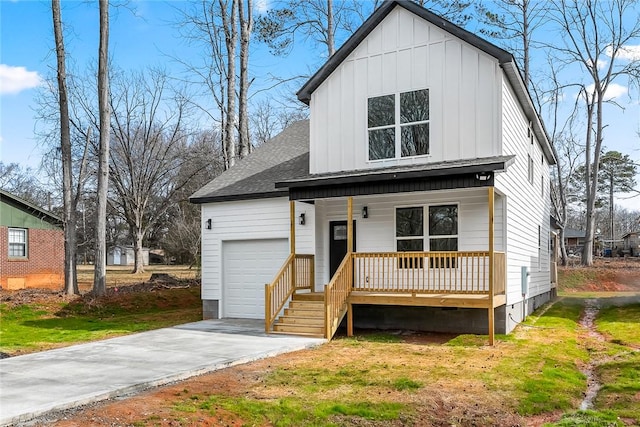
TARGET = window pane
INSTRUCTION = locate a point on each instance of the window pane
(443, 220)
(381, 111)
(415, 140)
(410, 245)
(382, 144)
(414, 106)
(450, 244)
(340, 232)
(17, 236)
(409, 222)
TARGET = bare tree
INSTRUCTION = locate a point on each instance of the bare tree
(515, 22)
(69, 216)
(246, 28)
(592, 32)
(149, 150)
(104, 111)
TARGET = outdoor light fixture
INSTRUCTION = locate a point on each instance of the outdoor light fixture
(209, 224)
(302, 219)
(483, 176)
(365, 212)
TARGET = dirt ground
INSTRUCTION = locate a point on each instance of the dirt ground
(434, 405)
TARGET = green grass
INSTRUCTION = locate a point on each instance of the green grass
(620, 375)
(541, 370)
(33, 327)
(589, 419)
(570, 279)
(293, 411)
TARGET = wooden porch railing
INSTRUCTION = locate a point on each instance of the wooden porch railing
(499, 273)
(336, 295)
(296, 273)
(428, 272)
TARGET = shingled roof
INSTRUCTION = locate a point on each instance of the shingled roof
(284, 157)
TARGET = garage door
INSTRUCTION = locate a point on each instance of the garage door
(247, 266)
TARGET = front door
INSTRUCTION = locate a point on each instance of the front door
(338, 243)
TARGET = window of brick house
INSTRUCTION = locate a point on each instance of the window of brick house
(17, 243)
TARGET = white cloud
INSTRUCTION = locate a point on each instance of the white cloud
(600, 64)
(613, 91)
(629, 53)
(262, 6)
(16, 79)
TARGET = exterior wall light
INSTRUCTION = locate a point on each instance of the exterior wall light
(302, 219)
(365, 212)
(209, 224)
(483, 176)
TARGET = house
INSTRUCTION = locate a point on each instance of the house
(573, 240)
(416, 196)
(632, 243)
(31, 244)
(125, 255)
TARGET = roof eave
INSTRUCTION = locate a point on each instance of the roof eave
(396, 175)
(238, 197)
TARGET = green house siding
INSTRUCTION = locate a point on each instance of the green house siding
(13, 216)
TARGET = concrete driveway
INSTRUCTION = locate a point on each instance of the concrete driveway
(35, 384)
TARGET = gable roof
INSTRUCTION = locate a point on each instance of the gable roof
(30, 208)
(572, 233)
(286, 156)
(505, 59)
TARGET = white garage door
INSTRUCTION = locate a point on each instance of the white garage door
(247, 266)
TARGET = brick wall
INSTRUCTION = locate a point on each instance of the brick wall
(44, 266)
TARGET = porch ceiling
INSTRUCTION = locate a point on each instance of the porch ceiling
(398, 179)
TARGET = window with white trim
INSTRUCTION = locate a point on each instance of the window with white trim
(398, 125)
(17, 242)
(441, 232)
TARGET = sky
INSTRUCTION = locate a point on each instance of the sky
(145, 34)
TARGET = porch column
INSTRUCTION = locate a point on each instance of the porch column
(349, 225)
(292, 241)
(292, 232)
(349, 250)
(491, 267)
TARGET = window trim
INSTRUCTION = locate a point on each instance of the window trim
(396, 126)
(426, 237)
(25, 244)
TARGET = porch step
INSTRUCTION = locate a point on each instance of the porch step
(299, 329)
(309, 296)
(304, 316)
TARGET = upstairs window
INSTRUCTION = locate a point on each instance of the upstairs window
(398, 125)
(17, 243)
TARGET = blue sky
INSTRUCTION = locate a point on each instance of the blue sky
(144, 37)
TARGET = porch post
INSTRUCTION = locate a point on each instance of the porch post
(292, 242)
(491, 267)
(292, 233)
(350, 225)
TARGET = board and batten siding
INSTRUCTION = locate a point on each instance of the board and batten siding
(377, 232)
(528, 204)
(406, 53)
(248, 220)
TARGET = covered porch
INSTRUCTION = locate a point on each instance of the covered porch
(399, 261)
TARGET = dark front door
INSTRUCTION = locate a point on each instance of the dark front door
(338, 243)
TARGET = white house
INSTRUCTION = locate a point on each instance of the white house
(416, 196)
(125, 255)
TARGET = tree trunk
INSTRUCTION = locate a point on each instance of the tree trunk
(246, 27)
(229, 23)
(330, 29)
(70, 277)
(100, 273)
(138, 236)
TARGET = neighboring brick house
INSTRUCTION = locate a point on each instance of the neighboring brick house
(31, 245)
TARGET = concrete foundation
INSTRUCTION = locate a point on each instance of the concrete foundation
(210, 309)
(517, 312)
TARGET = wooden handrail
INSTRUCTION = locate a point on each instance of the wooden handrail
(296, 273)
(427, 272)
(336, 295)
